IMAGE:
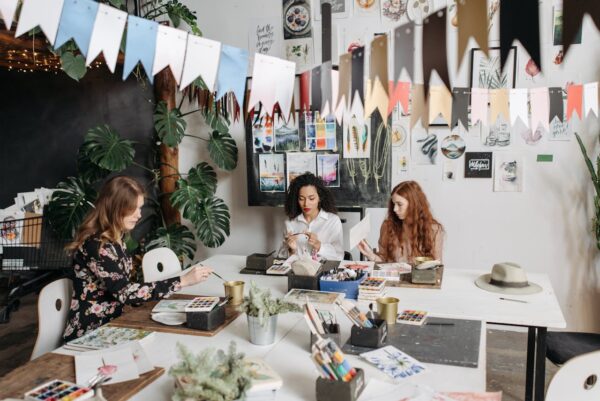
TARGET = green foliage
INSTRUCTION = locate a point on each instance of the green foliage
(223, 150)
(211, 219)
(259, 303)
(176, 237)
(107, 149)
(210, 375)
(73, 65)
(69, 204)
(87, 170)
(594, 173)
(169, 125)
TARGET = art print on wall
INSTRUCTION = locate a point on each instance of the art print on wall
(339, 8)
(272, 174)
(299, 163)
(508, 174)
(532, 137)
(393, 10)
(400, 131)
(478, 164)
(357, 139)
(262, 134)
(557, 27)
(450, 170)
(497, 135)
(559, 130)
(366, 8)
(297, 20)
(328, 169)
(487, 73)
(286, 135)
(320, 133)
(424, 146)
(264, 37)
(453, 146)
(301, 52)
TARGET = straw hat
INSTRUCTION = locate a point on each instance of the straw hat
(507, 278)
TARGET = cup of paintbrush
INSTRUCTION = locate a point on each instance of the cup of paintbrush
(234, 290)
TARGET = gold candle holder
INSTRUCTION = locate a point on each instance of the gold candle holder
(235, 291)
(387, 308)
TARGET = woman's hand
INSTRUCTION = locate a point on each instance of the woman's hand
(313, 241)
(290, 240)
(197, 274)
(366, 250)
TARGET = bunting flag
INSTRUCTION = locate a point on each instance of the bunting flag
(540, 114)
(377, 93)
(107, 34)
(499, 105)
(170, 51)
(590, 98)
(520, 20)
(7, 12)
(140, 45)
(327, 107)
(460, 107)
(357, 110)
(479, 105)
(272, 83)
(440, 102)
(42, 13)
(315, 88)
(399, 94)
(419, 107)
(404, 50)
(573, 13)
(305, 91)
(201, 60)
(233, 65)
(358, 75)
(434, 37)
(574, 100)
(518, 106)
(345, 73)
(556, 104)
(471, 14)
(77, 22)
(335, 86)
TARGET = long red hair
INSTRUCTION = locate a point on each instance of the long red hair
(418, 229)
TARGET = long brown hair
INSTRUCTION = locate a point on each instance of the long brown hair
(418, 229)
(117, 199)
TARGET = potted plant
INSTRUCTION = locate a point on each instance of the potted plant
(211, 375)
(594, 176)
(262, 311)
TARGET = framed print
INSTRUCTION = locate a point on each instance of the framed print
(487, 73)
(478, 164)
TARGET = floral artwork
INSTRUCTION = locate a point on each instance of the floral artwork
(393, 10)
(393, 362)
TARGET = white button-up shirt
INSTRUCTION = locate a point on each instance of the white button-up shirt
(328, 228)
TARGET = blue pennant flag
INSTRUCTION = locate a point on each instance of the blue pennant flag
(232, 72)
(77, 22)
(140, 45)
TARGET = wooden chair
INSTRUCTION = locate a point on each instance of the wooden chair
(160, 264)
(53, 307)
(577, 380)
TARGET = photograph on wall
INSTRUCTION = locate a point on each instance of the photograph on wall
(450, 170)
(557, 26)
(297, 21)
(262, 134)
(328, 169)
(299, 163)
(559, 130)
(424, 146)
(339, 8)
(301, 52)
(320, 133)
(453, 146)
(366, 8)
(357, 139)
(487, 72)
(286, 135)
(478, 164)
(271, 172)
(264, 37)
(497, 134)
(393, 10)
(508, 172)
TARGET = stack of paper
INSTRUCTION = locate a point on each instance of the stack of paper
(371, 289)
(264, 381)
(106, 337)
(391, 271)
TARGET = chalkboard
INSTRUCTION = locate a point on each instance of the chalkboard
(351, 193)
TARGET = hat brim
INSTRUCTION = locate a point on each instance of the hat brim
(483, 282)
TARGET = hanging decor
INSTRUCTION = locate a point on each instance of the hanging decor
(434, 37)
(520, 20)
(471, 14)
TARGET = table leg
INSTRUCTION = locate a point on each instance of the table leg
(540, 364)
(530, 369)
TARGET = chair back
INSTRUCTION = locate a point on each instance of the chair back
(53, 308)
(159, 264)
(577, 380)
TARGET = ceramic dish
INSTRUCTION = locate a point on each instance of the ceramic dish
(170, 319)
(296, 18)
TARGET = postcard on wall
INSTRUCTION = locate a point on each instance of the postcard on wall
(265, 37)
(497, 135)
(262, 134)
(299, 163)
(400, 163)
(320, 133)
(453, 146)
(328, 169)
(297, 19)
(286, 135)
(478, 164)
(357, 139)
(531, 137)
(424, 146)
(508, 174)
(393, 10)
(393, 362)
(400, 131)
(301, 52)
(559, 130)
(366, 8)
(557, 26)
(450, 170)
(339, 8)
(272, 174)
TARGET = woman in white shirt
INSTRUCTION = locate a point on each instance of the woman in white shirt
(313, 227)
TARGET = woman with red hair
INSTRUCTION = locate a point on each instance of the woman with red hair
(409, 229)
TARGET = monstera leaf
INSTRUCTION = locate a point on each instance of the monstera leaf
(169, 125)
(223, 150)
(87, 170)
(73, 65)
(176, 237)
(211, 219)
(201, 183)
(70, 203)
(107, 149)
(204, 178)
(216, 121)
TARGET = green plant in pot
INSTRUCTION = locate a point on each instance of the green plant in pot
(262, 310)
(594, 175)
(211, 375)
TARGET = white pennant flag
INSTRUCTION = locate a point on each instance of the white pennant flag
(107, 34)
(284, 90)
(45, 13)
(201, 60)
(590, 98)
(272, 82)
(170, 50)
(518, 106)
(335, 87)
(7, 11)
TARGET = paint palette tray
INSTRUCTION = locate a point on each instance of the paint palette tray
(202, 304)
(414, 317)
(59, 390)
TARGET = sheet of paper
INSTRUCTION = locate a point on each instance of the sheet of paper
(359, 232)
(88, 364)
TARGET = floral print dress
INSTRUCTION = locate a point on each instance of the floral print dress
(101, 286)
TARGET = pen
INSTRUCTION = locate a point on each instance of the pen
(439, 324)
(514, 300)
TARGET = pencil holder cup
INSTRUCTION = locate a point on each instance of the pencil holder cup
(333, 333)
(206, 321)
(337, 390)
(235, 291)
(369, 337)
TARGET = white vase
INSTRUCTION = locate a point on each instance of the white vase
(262, 334)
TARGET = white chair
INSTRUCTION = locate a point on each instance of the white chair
(53, 307)
(160, 264)
(577, 380)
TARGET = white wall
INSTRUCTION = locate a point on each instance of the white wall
(545, 228)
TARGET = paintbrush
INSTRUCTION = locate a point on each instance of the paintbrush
(213, 272)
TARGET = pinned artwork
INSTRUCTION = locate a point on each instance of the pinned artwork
(299, 163)
(453, 146)
(400, 133)
(262, 134)
(393, 10)
(366, 8)
(272, 176)
(320, 133)
(297, 21)
(450, 169)
(357, 139)
(286, 135)
(496, 135)
(478, 165)
(301, 52)
(559, 131)
(400, 165)
(328, 169)
(264, 37)
(424, 146)
(486, 72)
(557, 27)
(532, 137)
(508, 174)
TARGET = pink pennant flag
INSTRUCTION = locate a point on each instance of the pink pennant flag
(540, 108)
(399, 93)
(574, 100)
(479, 105)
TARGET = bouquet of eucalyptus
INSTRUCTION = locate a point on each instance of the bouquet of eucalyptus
(259, 303)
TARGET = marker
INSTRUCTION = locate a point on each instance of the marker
(514, 300)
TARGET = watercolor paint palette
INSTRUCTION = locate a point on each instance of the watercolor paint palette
(415, 317)
(202, 304)
(58, 390)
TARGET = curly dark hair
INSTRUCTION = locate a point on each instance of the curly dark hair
(326, 200)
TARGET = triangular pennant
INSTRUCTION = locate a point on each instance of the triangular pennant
(201, 60)
(434, 37)
(518, 106)
(107, 34)
(284, 91)
(440, 102)
(419, 107)
(315, 88)
(345, 70)
(556, 104)
(498, 105)
(574, 100)
(400, 93)
(540, 105)
(140, 45)
(460, 107)
(77, 22)
(327, 107)
(170, 51)
(305, 91)
(572, 17)
(471, 15)
(45, 13)
(7, 12)
(357, 110)
(590, 98)
(358, 75)
(404, 50)
(520, 20)
(378, 88)
(233, 66)
(335, 86)
(263, 83)
(479, 105)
